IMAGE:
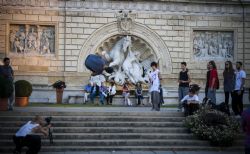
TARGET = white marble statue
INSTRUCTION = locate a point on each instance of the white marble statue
(98, 79)
(126, 63)
(132, 68)
(116, 55)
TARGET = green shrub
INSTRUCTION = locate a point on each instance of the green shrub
(23, 88)
(213, 125)
(6, 87)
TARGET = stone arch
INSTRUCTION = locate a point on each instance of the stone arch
(159, 47)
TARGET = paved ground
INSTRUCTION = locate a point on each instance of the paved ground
(144, 152)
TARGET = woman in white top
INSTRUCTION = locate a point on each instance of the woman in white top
(111, 93)
(26, 136)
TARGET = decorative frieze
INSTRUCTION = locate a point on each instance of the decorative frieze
(209, 44)
(31, 39)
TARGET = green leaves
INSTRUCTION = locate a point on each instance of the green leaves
(213, 125)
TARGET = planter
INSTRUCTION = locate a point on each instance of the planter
(59, 95)
(22, 101)
(4, 104)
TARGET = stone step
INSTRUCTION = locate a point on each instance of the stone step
(114, 136)
(107, 130)
(239, 149)
(98, 118)
(119, 142)
(99, 113)
(99, 124)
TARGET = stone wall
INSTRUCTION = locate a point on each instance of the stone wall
(80, 21)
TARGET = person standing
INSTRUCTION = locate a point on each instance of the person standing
(111, 93)
(138, 93)
(7, 72)
(237, 101)
(207, 81)
(213, 82)
(154, 77)
(184, 80)
(229, 82)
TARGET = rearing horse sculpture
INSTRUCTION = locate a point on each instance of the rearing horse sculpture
(116, 55)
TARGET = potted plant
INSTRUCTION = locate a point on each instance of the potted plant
(23, 90)
(6, 89)
(59, 86)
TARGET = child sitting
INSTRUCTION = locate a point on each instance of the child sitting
(191, 101)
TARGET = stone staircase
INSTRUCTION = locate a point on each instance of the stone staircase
(110, 131)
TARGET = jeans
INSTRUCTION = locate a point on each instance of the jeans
(139, 98)
(237, 102)
(33, 142)
(11, 99)
(110, 98)
(227, 100)
(211, 94)
(183, 91)
(101, 98)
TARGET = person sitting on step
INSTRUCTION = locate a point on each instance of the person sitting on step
(86, 92)
(125, 94)
(138, 93)
(27, 136)
(190, 102)
(94, 92)
(111, 93)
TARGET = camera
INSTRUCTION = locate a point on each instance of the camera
(48, 122)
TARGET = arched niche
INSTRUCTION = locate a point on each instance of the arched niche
(104, 36)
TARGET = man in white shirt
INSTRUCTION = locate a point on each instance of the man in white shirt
(154, 78)
(26, 136)
(237, 100)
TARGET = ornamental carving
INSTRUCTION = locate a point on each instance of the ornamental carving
(213, 44)
(125, 21)
(32, 39)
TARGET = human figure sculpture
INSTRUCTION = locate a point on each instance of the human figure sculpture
(32, 40)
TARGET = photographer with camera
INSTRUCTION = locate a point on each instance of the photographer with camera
(28, 135)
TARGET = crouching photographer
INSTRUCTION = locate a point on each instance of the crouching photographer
(28, 135)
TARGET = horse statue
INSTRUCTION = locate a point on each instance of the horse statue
(133, 69)
(116, 55)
